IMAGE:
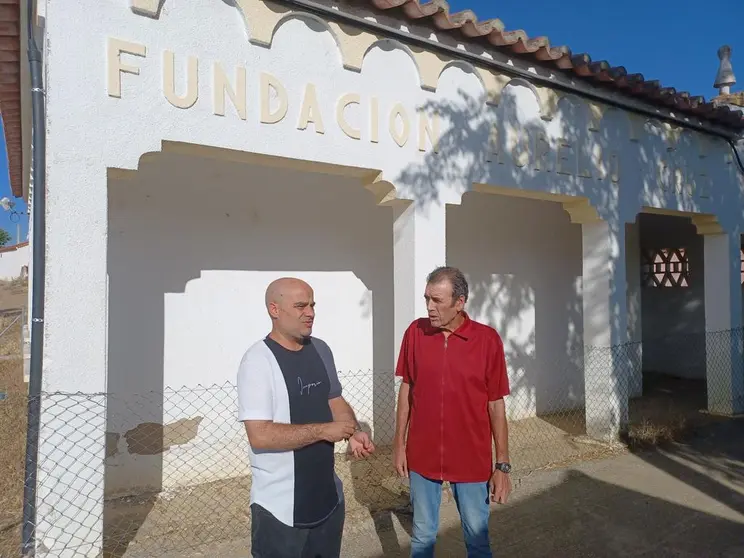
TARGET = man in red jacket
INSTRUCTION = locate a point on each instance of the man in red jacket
(450, 406)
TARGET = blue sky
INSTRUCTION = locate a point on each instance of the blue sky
(675, 42)
(672, 41)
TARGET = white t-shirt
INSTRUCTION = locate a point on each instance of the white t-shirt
(300, 488)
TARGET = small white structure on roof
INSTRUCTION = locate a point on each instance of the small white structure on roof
(197, 150)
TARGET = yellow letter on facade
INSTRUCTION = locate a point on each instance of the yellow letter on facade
(343, 102)
(399, 137)
(169, 81)
(223, 88)
(428, 129)
(310, 111)
(115, 67)
(269, 82)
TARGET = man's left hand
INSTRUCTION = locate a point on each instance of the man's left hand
(360, 445)
(499, 487)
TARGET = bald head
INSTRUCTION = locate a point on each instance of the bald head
(280, 288)
(291, 305)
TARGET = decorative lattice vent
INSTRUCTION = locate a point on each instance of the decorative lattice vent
(666, 267)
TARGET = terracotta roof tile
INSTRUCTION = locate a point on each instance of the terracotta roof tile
(518, 42)
(13, 247)
(10, 95)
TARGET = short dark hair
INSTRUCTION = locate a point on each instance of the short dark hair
(454, 276)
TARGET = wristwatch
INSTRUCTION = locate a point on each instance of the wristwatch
(503, 467)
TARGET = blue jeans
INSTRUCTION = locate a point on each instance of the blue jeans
(472, 503)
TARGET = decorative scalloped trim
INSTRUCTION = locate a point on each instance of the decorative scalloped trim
(493, 31)
(263, 18)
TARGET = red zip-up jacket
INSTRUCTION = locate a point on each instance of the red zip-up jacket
(451, 382)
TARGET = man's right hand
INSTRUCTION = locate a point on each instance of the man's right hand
(400, 460)
(338, 430)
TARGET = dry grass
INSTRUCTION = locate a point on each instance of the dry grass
(11, 327)
(649, 433)
(670, 410)
(13, 295)
(12, 450)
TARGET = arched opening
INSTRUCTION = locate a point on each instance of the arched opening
(193, 242)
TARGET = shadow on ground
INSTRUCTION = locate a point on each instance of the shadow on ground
(710, 461)
(685, 500)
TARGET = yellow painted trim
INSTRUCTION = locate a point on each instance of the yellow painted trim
(384, 192)
(485, 188)
(150, 8)
(262, 19)
(548, 100)
(120, 174)
(581, 211)
(493, 83)
(707, 224)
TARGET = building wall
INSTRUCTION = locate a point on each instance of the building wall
(344, 100)
(13, 261)
(193, 244)
(525, 282)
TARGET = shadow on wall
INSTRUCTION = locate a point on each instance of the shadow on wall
(523, 256)
(512, 150)
(524, 281)
(193, 243)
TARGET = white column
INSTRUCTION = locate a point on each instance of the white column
(635, 335)
(606, 356)
(73, 417)
(723, 321)
(419, 246)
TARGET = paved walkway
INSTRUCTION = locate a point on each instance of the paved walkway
(686, 501)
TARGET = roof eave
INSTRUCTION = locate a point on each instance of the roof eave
(11, 103)
(436, 16)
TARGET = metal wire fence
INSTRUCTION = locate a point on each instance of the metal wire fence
(148, 474)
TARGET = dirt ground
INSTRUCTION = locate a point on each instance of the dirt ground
(197, 517)
(190, 519)
(685, 500)
(12, 451)
(13, 294)
(182, 519)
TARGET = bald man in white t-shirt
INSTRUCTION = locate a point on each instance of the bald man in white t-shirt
(290, 400)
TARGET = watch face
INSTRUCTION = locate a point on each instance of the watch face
(504, 467)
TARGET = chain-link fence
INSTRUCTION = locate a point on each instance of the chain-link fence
(149, 474)
(12, 330)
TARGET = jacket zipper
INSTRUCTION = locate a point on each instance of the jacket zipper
(441, 415)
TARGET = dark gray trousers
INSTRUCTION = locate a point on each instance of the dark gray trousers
(270, 538)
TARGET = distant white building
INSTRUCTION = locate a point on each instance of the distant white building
(14, 261)
(197, 150)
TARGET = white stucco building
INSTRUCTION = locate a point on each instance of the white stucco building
(197, 150)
